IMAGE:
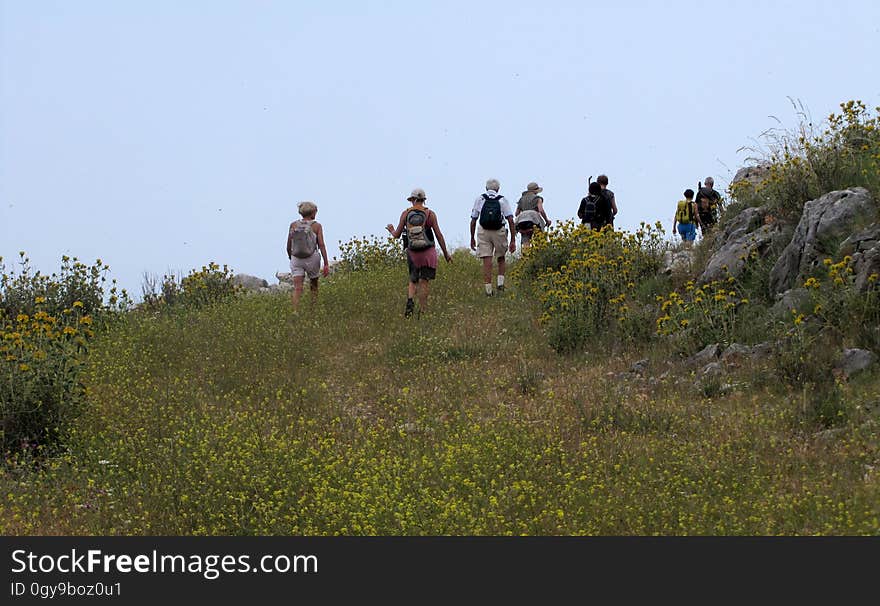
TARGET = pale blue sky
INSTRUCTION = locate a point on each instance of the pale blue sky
(165, 134)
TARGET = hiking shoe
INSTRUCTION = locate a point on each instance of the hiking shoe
(490, 293)
(501, 288)
(409, 309)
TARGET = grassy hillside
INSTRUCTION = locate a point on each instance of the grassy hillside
(570, 405)
(244, 418)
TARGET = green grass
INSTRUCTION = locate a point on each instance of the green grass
(245, 418)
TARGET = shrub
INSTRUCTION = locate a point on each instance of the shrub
(839, 307)
(586, 280)
(211, 284)
(75, 282)
(46, 325)
(369, 252)
(703, 314)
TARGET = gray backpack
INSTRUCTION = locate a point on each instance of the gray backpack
(303, 241)
(418, 233)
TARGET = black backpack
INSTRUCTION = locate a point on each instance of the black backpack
(589, 209)
(490, 215)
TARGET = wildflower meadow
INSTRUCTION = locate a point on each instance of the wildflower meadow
(569, 405)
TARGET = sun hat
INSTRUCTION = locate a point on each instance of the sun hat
(417, 194)
(534, 188)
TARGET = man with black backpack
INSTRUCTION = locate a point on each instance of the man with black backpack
(595, 209)
(709, 204)
(492, 211)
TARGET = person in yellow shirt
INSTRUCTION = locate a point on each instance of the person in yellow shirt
(686, 219)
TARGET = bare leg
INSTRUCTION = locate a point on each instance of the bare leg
(502, 266)
(487, 270)
(423, 295)
(297, 289)
(313, 286)
(411, 289)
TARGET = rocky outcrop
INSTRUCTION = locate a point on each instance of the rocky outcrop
(747, 221)
(751, 175)
(678, 262)
(867, 268)
(862, 241)
(748, 235)
(795, 299)
(248, 282)
(824, 224)
(736, 353)
(708, 354)
(731, 258)
(854, 361)
(864, 248)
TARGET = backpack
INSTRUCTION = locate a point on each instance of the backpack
(707, 212)
(303, 241)
(490, 215)
(685, 212)
(589, 209)
(419, 236)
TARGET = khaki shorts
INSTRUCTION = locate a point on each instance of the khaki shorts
(310, 267)
(492, 243)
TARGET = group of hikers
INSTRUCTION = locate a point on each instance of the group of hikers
(493, 228)
(702, 213)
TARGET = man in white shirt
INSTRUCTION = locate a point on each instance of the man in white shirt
(495, 217)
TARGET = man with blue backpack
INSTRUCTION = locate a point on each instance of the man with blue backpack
(492, 211)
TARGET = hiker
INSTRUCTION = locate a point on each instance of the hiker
(530, 214)
(491, 209)
(595, 209)
(686, 219)
(709, 204)
(418, 224)
(603, 181)
(305, 249)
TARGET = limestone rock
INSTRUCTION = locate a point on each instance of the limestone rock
(761, 350)
(855, 361)
(744, 222)
(753, 175)
(825, 222)
(284, 277)
(730, 259)
(248, 282)
(795, 299)
(865, 265)
(735, 352)
(678, 262)
(708, 354)
(862, 241)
